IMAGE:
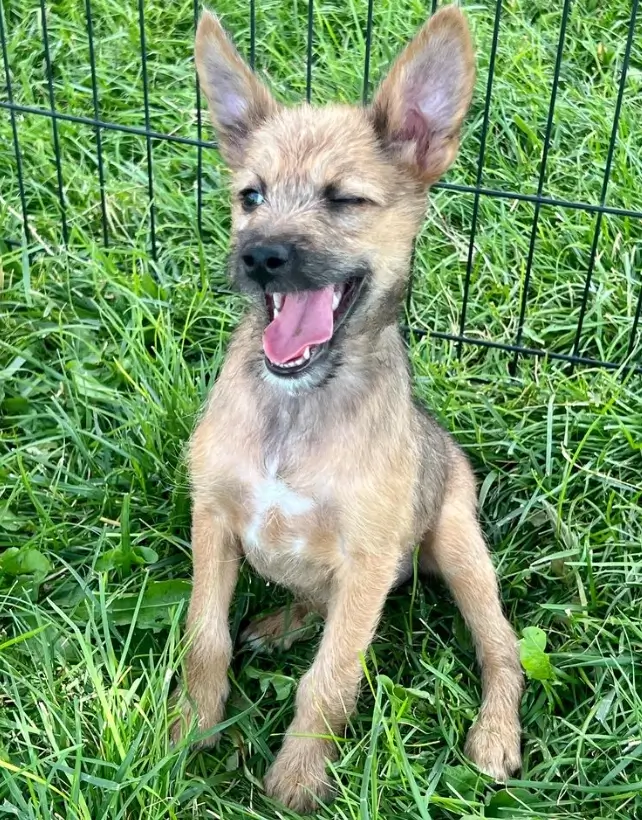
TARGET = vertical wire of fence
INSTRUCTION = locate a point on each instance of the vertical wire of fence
(98, 134)
(607, 176)
(54, 124)
(540, 183)
(9, 105)
(148, 139)
(480, 172)
(477, 191)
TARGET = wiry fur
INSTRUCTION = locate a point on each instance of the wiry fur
(326, 482)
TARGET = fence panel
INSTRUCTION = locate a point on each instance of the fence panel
(75, 73)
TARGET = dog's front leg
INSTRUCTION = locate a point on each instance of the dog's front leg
(216, 565)
(328, 691)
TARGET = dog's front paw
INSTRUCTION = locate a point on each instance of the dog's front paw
(493, 744)
(204, 712)
(298, 778)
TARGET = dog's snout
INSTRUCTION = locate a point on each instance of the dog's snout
(263, 263)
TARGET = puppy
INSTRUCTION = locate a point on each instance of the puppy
(312, 460)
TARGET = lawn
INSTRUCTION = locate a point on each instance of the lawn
(107, 352)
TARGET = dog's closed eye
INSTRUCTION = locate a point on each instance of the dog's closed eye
(337, 199)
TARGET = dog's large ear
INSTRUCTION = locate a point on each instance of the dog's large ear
(420, 106)
(238, 101)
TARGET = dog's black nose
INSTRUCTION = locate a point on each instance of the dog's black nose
(263, 263)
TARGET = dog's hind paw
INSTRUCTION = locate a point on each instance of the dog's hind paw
(280, 629)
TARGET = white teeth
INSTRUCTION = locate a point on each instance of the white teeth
(301, 360)
(336, 299)
(294, 362)
(277, 299)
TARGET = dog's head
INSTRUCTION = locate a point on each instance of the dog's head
(327, 201)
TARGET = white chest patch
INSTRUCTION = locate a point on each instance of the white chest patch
(271, 494)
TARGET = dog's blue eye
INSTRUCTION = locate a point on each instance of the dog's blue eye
(251, 199)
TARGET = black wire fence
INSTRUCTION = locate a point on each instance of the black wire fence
(477, 191)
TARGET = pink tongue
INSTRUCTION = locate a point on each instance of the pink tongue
(305, 319)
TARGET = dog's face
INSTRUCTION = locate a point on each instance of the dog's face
(326, 202)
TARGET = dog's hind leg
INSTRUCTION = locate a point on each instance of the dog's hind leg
(280, 629)
(456, 549)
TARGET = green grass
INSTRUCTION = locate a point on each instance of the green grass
(105, 357)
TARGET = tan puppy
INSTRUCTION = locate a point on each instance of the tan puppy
(311, 459)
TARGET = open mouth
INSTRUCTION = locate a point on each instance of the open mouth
(302, 325)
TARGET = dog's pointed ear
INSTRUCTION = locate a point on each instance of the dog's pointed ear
(420, 106)
(238, 101)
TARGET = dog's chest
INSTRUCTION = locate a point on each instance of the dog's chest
(288, 532)
(274, 505)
